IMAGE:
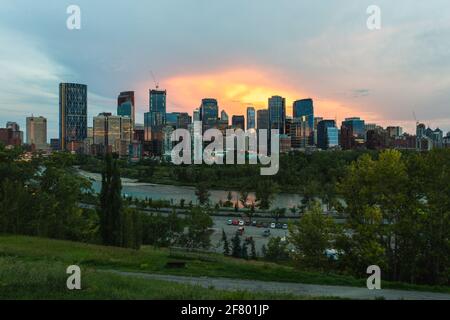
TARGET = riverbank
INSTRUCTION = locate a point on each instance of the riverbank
(175, 194)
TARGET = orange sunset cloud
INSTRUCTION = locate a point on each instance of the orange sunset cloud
(236, 89)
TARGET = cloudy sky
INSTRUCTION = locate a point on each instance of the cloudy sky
(238, 51)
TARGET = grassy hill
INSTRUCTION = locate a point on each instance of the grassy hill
(35, 268)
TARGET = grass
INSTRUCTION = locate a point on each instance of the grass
(149, 260)
(36, 280)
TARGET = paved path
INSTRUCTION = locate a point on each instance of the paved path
(293, 288)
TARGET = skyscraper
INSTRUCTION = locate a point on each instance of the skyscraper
(251, 118)
(126, 105)
(300, 132)
(305, 108)
(72, 115)
(238, 122)
(16, 134)
(277, 113)
(353, 133)
(263, 119)
(224, 117)
(112, 133)
(37, 132)
(327, 134)
(209, 113)
(155, 119)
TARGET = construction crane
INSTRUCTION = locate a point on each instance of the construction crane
(154, 80)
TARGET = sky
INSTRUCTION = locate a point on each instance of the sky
(239, 51)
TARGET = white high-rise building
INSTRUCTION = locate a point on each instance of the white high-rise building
(37, 132)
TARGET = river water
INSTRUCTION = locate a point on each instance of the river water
(176, 193)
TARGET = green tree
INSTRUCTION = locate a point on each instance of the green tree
(311, 236)
(202, 193)
(278, 214)
(110, 209)
(253, 254)
(236, 246)
(226, 245)
(265, 191)
(276, 250)
(199, 224)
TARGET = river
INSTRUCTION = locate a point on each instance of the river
(175, 194)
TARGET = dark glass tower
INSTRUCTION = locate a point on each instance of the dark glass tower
(277, 114)
(72, 115)
(304, 108)
(126, 105)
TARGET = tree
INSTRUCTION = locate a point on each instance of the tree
(253, 254)
(199, 224)
(278, 214)
(276, 250)
(202, 193)
(244, 252)
(236, 246)
(110, 209)
(311, 236)
(226, 245)
(265, 190)
(243, 199)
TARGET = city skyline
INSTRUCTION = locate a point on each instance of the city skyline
(326, 53)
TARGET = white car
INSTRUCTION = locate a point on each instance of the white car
(273, 225)
(241, 223)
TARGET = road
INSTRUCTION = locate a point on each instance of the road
(297, 289)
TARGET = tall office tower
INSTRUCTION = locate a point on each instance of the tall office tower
(112, 133)
(327, 134)
(16, 134)
(263, 119)
(224, 117)
(238, 122)
(277, 113)
(126, 105)
(300, 132)
(37, 132)
(155, 119)
(353, 133)
(316, 123)
(305, 107)
(251, 118)
(196, 115)
(72, 115)
(209, 113)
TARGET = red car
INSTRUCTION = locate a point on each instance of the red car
(235, 222)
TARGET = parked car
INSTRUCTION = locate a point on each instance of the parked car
(235, 222)
(230, 222)
(279, 226)
(273, 225)
(241, 223)
(254, 223)
(266, 233)
(285, 226)
(241, 230)
(259, 225)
